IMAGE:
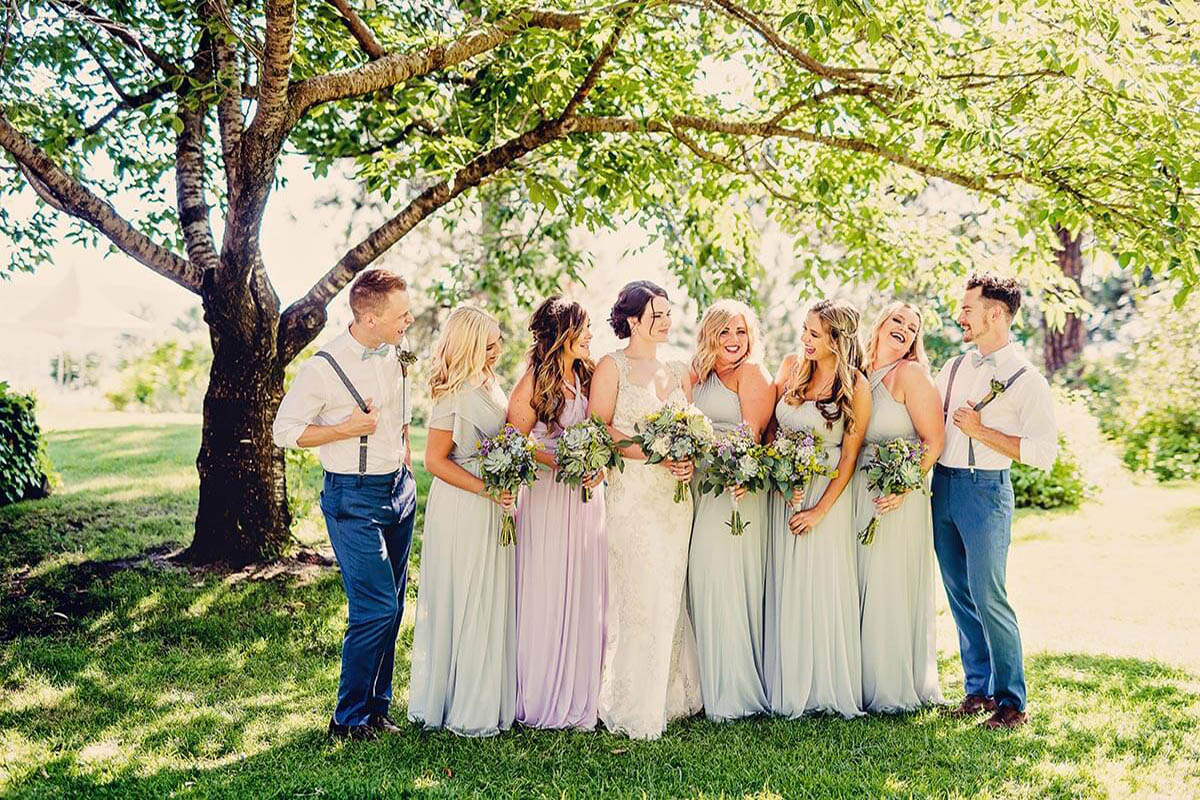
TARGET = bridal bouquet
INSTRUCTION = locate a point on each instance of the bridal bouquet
(675, 432)
(583, 449)
(506, 463)
(734, 460)
(892, 467)
(795, 459)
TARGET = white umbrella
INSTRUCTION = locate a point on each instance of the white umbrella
(71, 313)
(68, 310)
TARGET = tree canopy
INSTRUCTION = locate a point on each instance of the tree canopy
(682, 113)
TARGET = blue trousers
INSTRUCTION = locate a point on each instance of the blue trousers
(972, 529)
(370, 522)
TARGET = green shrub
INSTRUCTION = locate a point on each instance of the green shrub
(170, 376)
(25, 469)
(1148, 399)
(1165, 442)
(1063, 486)
(304, 476)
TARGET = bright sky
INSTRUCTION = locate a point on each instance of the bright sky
(302, 238)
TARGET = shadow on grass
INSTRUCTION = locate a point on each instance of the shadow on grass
(124, 489)
(171, 682)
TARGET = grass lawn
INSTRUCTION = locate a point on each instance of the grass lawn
(134, 678)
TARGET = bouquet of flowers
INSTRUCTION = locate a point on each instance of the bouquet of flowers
(892, 467)
(675, 432)
(506, 463)
(581, 450)
(734, 460)
(795, 459)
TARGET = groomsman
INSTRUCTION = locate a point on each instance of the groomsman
(352, 402)
(1002, 410)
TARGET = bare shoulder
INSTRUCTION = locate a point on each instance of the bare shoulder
(524, 387)
(913, 373)
(790, 361)
(753, 375)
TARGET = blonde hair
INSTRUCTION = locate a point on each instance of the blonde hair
(461, 352)
(916, 350)
(840, 321)
(708, 336)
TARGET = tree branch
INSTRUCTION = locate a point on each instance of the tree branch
(778, 43)
(593, 74)
(122, 34)
(768, 130)
(304, 318)
(77, 200)
(257, 158)
(359, 30)
(226, 70)
(400, 67)
(276, 69)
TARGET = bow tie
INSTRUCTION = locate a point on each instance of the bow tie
(382, 350)
(978, 360)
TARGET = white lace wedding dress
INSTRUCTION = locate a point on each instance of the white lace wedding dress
(651, 671)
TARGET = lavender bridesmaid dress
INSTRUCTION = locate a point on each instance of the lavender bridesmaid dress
(562, 572)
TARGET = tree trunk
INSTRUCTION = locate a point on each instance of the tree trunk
(243, 513)
(1064, 346)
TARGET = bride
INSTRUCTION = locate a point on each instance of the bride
(651, 672)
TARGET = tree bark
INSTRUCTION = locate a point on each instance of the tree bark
(243, 513)
(1064, 346)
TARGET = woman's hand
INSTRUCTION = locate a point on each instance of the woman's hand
(739, 493)
(595, 479)
(802, 522)
(506, 500)
(682, 470)
(889, 502)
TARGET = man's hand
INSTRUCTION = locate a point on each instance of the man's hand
(360, 424)
(969, 422)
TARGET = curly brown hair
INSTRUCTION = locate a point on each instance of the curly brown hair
(555, 324)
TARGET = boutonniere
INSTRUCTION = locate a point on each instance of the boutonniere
(406, 358)
(995, 389)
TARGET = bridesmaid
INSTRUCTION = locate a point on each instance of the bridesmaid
(726, 572)
(561, 548)
(464, 645)
(895, 572)
(813, 660)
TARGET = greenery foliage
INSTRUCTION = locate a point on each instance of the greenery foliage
(170, 376)
(1061, 486)
(1148, 398)
(25, 469)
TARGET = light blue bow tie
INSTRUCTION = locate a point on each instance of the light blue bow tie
(382, 350)
(978, 360)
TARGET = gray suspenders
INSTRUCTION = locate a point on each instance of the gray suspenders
(362, 440)
(950, 389)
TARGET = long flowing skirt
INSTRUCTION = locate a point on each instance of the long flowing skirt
(726, 583)
(651, 673)
(896, 591)
(562, 570)
(813, 661)
(464, 667)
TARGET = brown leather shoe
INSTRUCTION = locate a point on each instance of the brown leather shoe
(973, 705)
(1006, 717)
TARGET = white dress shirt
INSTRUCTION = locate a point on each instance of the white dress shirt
(1025, 410)
(318, 397)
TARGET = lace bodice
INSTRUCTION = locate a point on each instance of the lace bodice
(635, 401)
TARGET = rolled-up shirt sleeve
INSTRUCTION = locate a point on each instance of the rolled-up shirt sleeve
(300, 408)
(1039, 431)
